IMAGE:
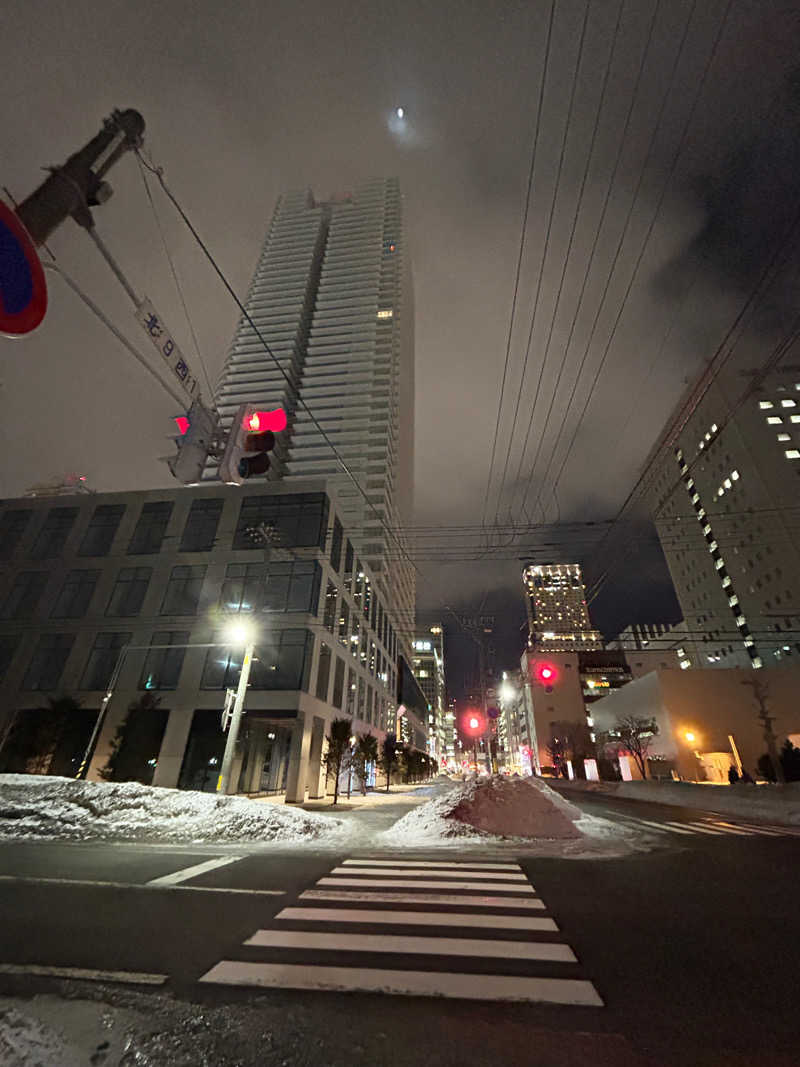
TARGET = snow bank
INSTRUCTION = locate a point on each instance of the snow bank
(40, 806)
(770, 803)
(26, 1042)
(496, 806)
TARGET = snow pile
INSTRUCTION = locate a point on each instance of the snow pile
(26, 1042)
(496, 806)
(41, 806)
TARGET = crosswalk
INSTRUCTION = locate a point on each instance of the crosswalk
(415, 927)
(706, 826)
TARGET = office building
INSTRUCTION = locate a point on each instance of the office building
(137, 590)
(723, 495)
(558, 617)
(332, 296)
(428, 663)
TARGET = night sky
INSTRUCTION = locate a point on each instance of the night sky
(663, 174)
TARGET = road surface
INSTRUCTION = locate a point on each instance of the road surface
(683, 952)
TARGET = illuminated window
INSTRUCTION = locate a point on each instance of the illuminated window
(794, 418)
(765, 405)
(784, 437)
(685, 663)
(757, 662)
(385, 313)
(774, 420)
(788, 404)
(792, 453)
(714, 427)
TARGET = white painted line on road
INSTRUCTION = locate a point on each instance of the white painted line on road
(480, 876)
(407, 983)
(420, 918)
(26, 880)
(700, 828)
(402, 944)
(370, 897)
(457, 865)
(400, 883)
(83, 973)
(662, 826)
(197, 869)
(729, 828)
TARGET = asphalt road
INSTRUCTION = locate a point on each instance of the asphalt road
(685, 951)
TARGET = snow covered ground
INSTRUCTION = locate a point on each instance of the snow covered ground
(524, 812)
(770, 803)
(40, 806)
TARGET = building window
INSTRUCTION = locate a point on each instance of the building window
(788, 403)
(23, 596)
(281, 661)
(293, 587)
(385, 313)
(362, 692)
(102, 530)
(102, 660)
(345, 623)
(12, 526)
(355, 631)
(129, 591)
(338, 683)
(182, 596)
(162, 666)
(53, 535)
(784, 437)
(75, 596)
(351, 693)
(323, 672)
(47, 664)
(349, 556)
(151, 528)
(243, 588)
(8, 646)
(792, 453)
(774, 420)
(363, 647)
(296, 521)
(329, 617)
(370, 696)
(336, 545)
(373, 658)
(765, 405)
(200, 530)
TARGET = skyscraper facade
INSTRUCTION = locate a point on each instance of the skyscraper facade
(428, 647)
(558, 618)
(332, 296)
(724, 498)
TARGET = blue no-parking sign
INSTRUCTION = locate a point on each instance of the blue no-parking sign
(23, 289)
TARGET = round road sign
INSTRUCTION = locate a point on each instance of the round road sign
(23, 289)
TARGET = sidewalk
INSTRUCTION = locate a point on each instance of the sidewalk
(407, 794)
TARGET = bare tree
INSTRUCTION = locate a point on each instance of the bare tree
(636, 736)
(337, 757)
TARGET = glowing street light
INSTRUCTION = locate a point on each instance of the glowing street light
(690, 737)
(400, 112)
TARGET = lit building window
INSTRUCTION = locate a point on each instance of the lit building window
(794, 418)
(784, 437)
(788, 404)
(733, 601)
(685, 663)
(735, 476)
(792, 453)
(385, 313)
(774, 420)
(765, 405)
(719, 564)
(714, 427)
(757, 662)
(727, 483)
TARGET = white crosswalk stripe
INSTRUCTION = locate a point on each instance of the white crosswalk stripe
(487, 906)
(708, 826)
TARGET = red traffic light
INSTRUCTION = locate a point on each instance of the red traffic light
(546, 673)
(473, 723)
(183, 424)
(259, 421)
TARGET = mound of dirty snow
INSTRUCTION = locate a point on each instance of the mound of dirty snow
(496, 806)
(41, 806)
(26, 1042)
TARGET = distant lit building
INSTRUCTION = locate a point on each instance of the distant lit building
(558, 617)
(428, 661)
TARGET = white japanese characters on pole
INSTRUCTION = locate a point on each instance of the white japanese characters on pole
(163, 341)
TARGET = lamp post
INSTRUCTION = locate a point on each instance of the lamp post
(239, 634)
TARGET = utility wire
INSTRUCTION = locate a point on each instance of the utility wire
(523, 231)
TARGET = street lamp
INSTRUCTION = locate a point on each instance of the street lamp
(238, 634)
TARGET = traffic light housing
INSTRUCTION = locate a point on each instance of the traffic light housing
(197, 432)
(546, 674)
(250, 440)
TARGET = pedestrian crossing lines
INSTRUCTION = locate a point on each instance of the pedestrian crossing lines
(706, 826)
(369, 925)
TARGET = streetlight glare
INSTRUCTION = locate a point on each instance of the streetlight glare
(400, 112)
(690, 737)
(239, 633)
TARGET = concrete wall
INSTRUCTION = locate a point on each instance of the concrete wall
(710, 705)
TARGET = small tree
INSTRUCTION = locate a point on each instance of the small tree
(388, 757)
(35, 735)
(337, 757)
(365, 752)
(790, 761)
(127, 762)
(636, 736)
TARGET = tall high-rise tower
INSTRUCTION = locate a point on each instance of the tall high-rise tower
(558, 618)
(332, 296)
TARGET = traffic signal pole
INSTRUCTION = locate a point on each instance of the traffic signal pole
(224, 780)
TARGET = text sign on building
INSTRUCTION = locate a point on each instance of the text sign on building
(153, 325)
